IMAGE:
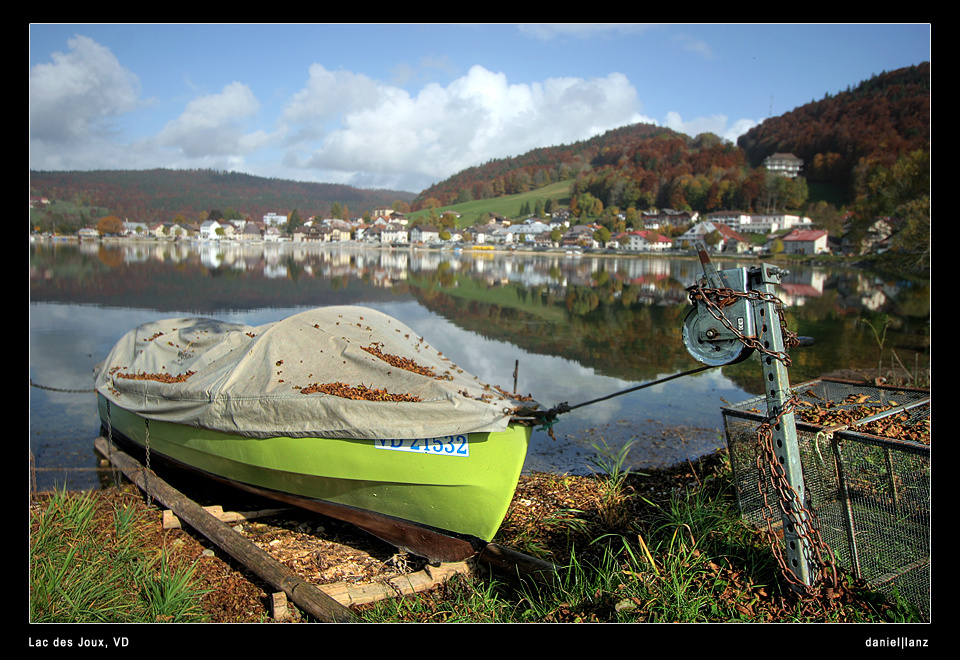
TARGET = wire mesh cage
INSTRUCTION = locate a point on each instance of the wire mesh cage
(865, 452)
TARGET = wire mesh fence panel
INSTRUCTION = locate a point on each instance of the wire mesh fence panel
(870, 494)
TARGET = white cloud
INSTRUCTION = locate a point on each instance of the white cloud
(695, 45)
(717, 124)
(212, 126)
(442, 130)
(73, 98)
(326, 95)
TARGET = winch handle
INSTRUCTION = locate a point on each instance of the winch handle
(714, 279)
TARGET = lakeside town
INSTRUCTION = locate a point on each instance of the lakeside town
(664, 230)
(732, 232)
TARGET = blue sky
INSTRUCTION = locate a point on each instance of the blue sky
(403, 106)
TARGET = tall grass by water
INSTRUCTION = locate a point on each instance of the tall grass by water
(84, 571)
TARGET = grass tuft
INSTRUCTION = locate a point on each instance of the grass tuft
(81, 572)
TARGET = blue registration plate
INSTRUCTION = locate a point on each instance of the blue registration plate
(451, 445)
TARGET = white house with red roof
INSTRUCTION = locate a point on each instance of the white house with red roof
(730, 241)
(646, 240)
(805, 241)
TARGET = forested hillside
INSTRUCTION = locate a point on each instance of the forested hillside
(873, 123)
(639, 166)
(645, 166)
(161, 195)
(535, 169)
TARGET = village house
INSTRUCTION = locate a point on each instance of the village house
(391, 216)
(424, 234)
(730, 241)
(478, 233)
(786, 165)
(874, 240)
(395, 234)
(308, 233)
(579, 235)
(544, 239)
(456, 235)
(768, 223)
(500, 236)
(135, 228)
(528, 231)
(169, 230)
(805, 241)
(340, 231)
(370, 234)
(209, 231)
(656, 219)
(386, 234)
(645, 240)
(251, 232)
(733, 219)
(328, 230)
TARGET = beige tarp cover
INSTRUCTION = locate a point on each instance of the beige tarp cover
(252, 380)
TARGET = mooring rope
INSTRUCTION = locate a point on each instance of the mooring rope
(57, 389)
(549, 417)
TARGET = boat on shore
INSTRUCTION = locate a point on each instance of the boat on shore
(340, 410)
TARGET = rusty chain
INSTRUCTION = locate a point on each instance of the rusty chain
(770, 472)
(772, 475)
(715, 299)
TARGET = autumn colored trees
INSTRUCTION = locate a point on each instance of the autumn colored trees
(110, 225)
(839, 135)
(901, 194)
(643, 166)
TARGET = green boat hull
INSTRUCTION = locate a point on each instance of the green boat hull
(456, 485)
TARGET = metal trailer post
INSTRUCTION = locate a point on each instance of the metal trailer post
(785, 444)
(735, 313)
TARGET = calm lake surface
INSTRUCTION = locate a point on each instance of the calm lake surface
(573, 327)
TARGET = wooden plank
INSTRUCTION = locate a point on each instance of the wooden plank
(306, 595)
(278, 607)
(170, 520)
(348, 594)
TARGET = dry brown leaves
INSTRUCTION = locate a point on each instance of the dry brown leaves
(399, 362)
(855, 407)
(361, 392)
(161, 378)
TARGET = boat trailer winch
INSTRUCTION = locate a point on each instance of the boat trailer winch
(729, 307)
(735, 314)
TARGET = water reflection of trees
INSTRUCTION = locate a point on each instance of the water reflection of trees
(621, 316)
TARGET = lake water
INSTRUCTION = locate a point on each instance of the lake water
(573, 328)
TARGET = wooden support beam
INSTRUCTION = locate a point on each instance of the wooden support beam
(517, 565)
(306, 595)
